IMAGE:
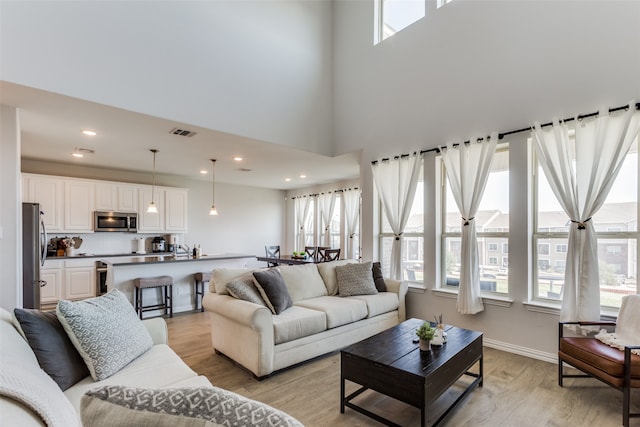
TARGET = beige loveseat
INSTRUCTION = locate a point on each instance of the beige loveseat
(319, 322)
(30, 397)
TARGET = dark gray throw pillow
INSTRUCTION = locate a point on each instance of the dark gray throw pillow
(271, 286)
(376, 269)
(54, 350)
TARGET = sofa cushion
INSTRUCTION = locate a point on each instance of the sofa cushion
(184, 407)
(271, 286)
(380, 303)
(339, 311)
(244, 288)
(106, 331)
(142, 372)
(298, 322)
(54, 350)
(327, 271)
(303, 281)
(220, 277)
(33, 388)
(355, 279)
(378, 278)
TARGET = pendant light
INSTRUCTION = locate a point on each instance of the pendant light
(213, 211)
(152, 206)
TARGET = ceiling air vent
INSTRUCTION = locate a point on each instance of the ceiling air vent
(182, 132)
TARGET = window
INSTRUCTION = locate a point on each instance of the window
(616, 225)
(505, 248)
(441, 3)
(334, 227)
(309, 227)
(492, 228)
(412, 251)
(395, 15)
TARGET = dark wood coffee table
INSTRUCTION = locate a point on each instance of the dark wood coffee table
(392, 364)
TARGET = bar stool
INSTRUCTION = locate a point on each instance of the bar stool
(166, 294)
(199, 281)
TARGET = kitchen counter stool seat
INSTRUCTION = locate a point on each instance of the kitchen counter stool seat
(165, 283)
(199, 281)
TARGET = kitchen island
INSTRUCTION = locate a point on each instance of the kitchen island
(122, 271)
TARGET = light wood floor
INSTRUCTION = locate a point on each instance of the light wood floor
(518, 391)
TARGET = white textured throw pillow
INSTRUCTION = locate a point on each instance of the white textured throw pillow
(106, 331)
(355, 279)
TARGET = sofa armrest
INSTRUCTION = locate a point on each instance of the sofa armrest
(157, 328)
(401, 288)
(255, 316)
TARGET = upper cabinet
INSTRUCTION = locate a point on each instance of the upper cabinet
(69, 203)
(79, 204)
(116, 197)
(49, 193)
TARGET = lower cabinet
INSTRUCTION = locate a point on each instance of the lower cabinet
(68, 279)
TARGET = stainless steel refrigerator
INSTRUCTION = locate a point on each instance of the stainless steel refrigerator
(34, 252)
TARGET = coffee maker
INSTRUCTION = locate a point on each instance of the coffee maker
(158, 244)
(173, 244)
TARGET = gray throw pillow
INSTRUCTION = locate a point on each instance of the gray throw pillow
(271, 286)
(376, 269)
(106, 331)
(245, 289)
(355, 279)
(117, 405)
(54, 350)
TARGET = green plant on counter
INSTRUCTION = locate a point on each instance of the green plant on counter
(425, 331)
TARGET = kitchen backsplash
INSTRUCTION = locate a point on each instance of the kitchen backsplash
(111, 243)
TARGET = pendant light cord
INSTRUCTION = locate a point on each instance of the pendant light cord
(153, 181)
(213, 182)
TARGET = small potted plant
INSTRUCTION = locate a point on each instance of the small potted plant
(425, 333)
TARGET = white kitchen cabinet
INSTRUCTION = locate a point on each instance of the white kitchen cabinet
(79, 278)
(49, 193)
(79, 203)
(116, 197)
(175, 210)
(150, 222)
(51, 273)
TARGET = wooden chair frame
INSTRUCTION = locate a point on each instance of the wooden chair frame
(626, 387)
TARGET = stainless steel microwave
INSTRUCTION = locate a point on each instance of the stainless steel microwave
(115, 221)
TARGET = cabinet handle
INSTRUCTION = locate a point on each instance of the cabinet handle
(42, 283)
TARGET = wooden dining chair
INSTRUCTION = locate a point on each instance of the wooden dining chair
(331, 255)
(311, 251)
(272, 252)
(320, 251)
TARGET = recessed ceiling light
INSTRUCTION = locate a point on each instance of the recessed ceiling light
(303, 176)
(204, 171)
(80, 152)
(89, 133)
(237, 158)
(287, 179)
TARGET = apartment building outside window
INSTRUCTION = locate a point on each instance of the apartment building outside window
(492, 227)
(616, 225)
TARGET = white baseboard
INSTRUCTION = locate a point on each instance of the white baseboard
(522, 351)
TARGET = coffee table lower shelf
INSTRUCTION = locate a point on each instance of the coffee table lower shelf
(386, 364)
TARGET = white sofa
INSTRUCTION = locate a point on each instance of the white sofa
(28, 396)
(319, 322)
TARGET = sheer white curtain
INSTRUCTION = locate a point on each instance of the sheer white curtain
(581, 172)
(326, 203)
(351, 201)
(301, 205)
(396, 180)
(468, 167)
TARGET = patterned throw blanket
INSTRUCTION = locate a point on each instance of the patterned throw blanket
(627, 327)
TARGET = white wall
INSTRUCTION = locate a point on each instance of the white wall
(260, 69)
(10, 209)
(464, 70)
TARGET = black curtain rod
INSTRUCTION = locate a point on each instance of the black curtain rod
(511, 132)
(325, 192)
